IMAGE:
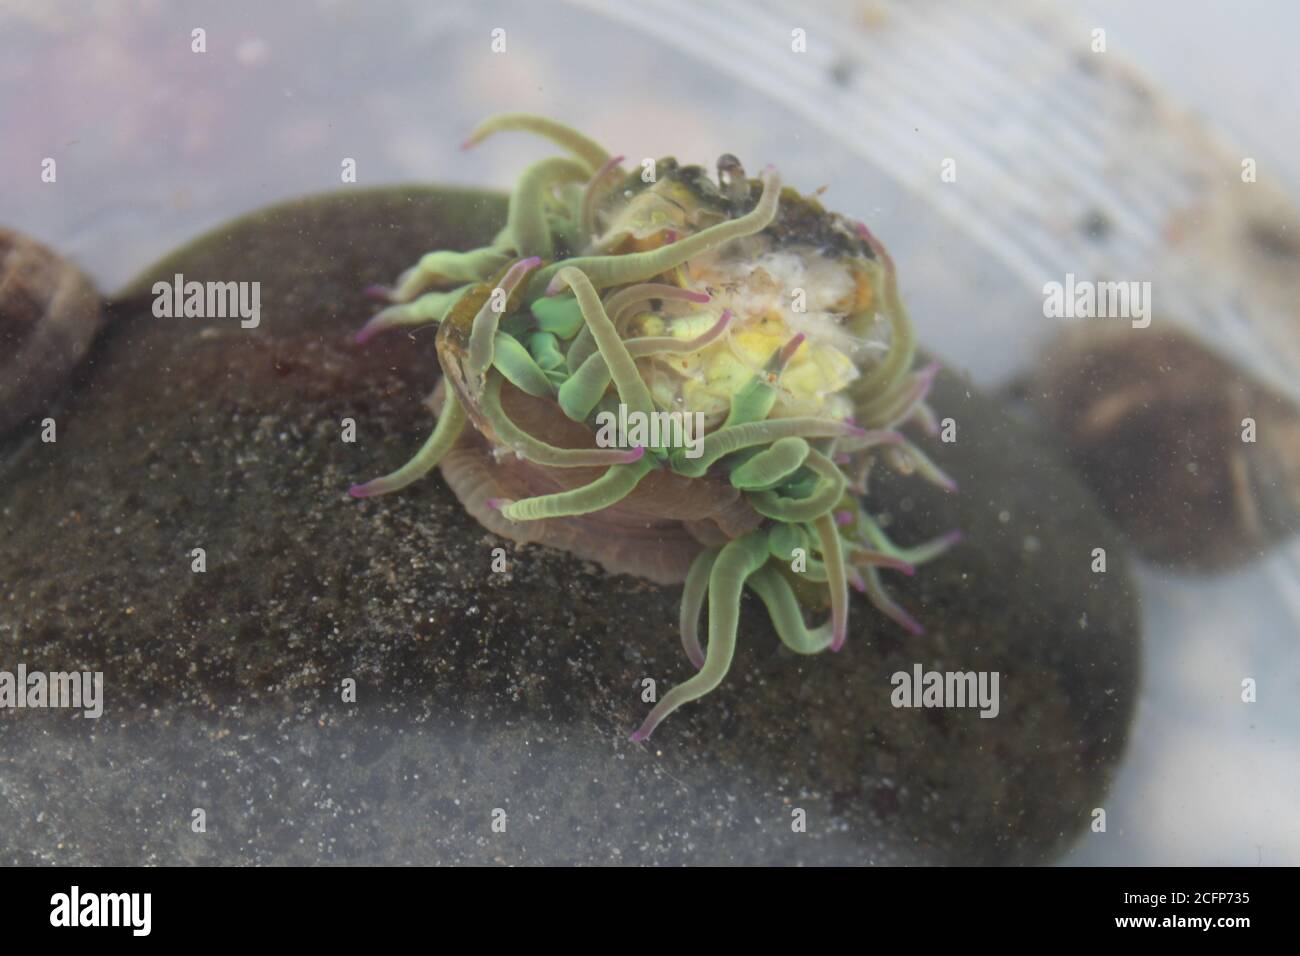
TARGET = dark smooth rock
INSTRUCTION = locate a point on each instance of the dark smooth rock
(478, 690)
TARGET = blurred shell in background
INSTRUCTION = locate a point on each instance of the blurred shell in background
(1161, 426)
(49, 314)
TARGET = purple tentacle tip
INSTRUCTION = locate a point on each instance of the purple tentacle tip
(786, 352)
(637, 736)
(907, 622)
(635, 454)
(359, 491)
(494, 503)
(376, 291)
(843, 517)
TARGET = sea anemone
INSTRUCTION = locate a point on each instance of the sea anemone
(681, 379)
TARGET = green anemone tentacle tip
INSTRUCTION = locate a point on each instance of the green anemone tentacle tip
(684, 340)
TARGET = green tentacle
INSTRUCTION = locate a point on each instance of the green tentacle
(545, 350)
(595, 193)
(624, 300)
(483, 331)
(772, 466)
(875, 590)
(526, 218)
(753, 402)
(538, 451)
(787, 618)
(693, 594)
(724, 441)
(737, 560)
(513, 361)
(432, 307)
(877, 388)
(782, 539)
(631, 387)
(559, 314)
(606, 271)
(450, 424)
(448, 268)
(645, 345)
(590, 152)
(609, 489)
(837, 580)
(905, 403)
(581, 348)
(826, 495)
(915, 555)
(926, 468)
(579, 395)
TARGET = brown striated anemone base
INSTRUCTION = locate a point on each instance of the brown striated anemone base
(654, 533)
